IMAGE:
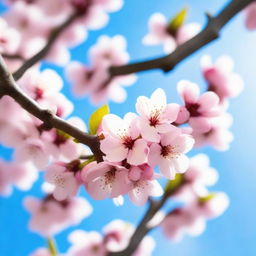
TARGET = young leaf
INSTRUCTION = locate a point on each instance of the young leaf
(177, 21)
(174, 185)
(96, 118)
(207, 198)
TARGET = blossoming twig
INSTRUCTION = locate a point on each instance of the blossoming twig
(207, 35)
(10, 88)
(43, 52)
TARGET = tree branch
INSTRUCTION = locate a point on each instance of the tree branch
(143, 228)
(207, 35)
(9, 87)
(42, 53)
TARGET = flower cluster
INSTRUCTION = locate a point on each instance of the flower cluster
(160, 32)
(95, 80)
(207, 113)
(136, 144)
(115, 237)
(49, 216)
(200, 204)
(34, 21)
(21, 175)
(34, 144)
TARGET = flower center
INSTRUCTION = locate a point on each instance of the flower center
(38, 93)
(128, 142)
(193, 109)
(154, 119)
(110, 176)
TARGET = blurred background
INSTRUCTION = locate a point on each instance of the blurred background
(234, 233)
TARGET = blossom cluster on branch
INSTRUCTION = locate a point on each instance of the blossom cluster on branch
(137, 154)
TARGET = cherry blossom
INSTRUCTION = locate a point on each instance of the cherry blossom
(159, 33)
(156, 115)
(86, 243)
(94, 80)
(116, 236)
(220, 77)
(196, 179)
(122, 140)
(250, 20)
(191, 219)
(105, 180)
(198, 109)
(169, 154)
(218, 136)
(50, 217)
(10, 38)
(63, 178)
(143, 185)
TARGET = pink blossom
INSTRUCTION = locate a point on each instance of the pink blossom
(215, 206)
(146, 247)
(33, 150)
(196, 179)
(9, 39)
(41, 85)
(143, 185)
(250, 20)
(221, 78)
(191, 219)
(94, 80)
(122, 140)
(117, 235)
(105, 180)
(182, 221)
(12, 174)
(50, 217)
(155, 115)
(198, 108)
(61, 145)
(64, 180)
(159, 33)
(86, 243)
(170, 153)
(218, 136)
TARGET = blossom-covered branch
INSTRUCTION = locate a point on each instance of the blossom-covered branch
(143, 228)
(9, 87)
(42, 53)
(207, 35)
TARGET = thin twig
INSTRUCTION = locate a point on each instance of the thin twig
(13, 57)
(45, 50)
(207, 35)
(9, 87)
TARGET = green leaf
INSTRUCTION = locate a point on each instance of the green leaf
(52, 247)
(205, 199)
(96, 118)
(177, 21)
(173, 185)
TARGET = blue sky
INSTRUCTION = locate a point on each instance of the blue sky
(233, 233)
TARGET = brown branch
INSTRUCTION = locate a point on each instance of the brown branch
(13, 57)
(207, 35)
(42, 53)
(9, 87)
(143, 228)
(167, 63)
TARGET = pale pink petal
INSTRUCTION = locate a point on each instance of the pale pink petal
(138, 155)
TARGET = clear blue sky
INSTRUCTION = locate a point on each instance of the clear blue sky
(233, 233)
